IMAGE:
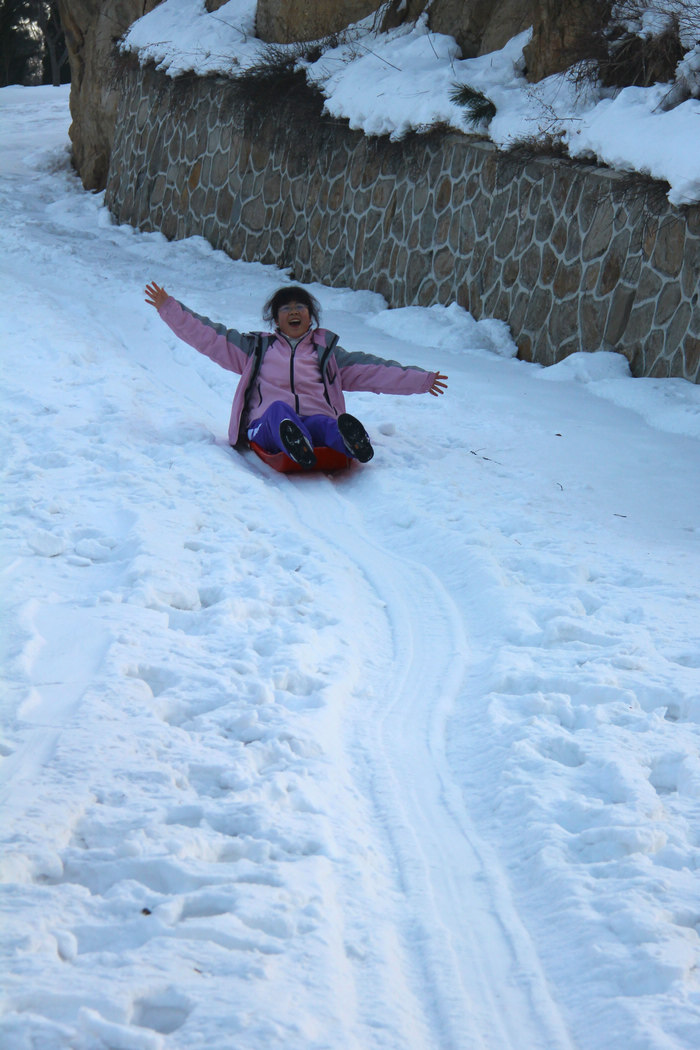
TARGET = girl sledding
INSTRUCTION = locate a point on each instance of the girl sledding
(290, 400)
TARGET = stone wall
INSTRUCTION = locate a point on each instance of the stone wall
(572, 257)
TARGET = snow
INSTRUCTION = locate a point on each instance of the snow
(395, 82)
(181, 35)
(404, 758)
(447, 327)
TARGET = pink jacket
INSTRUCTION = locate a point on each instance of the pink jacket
(244, 353)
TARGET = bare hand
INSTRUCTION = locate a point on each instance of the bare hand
(439, 385)
(155, 295)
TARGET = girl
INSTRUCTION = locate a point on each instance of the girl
(290, 396)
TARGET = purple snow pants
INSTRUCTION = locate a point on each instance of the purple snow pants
(320, 430)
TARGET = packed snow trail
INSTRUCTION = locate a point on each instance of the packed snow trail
(406, 758)
(463, 939)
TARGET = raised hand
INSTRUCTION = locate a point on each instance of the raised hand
(439, 385)
(155, 295)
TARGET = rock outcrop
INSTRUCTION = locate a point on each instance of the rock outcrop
(92, 29)
(284, 21)
(480, 26)
(560, 35)
(561, 32)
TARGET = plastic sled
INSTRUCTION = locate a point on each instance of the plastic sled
(327, 460)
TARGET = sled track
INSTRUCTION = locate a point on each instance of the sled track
(465, 959)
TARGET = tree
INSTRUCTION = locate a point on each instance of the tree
(17, 43)
(56, 69)
(32, 44)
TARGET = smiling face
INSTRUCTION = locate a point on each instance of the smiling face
(293, 319)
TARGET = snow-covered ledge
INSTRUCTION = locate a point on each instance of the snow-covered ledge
(573, 257)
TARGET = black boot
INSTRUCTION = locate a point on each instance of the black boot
(296, 445)
(355, 437)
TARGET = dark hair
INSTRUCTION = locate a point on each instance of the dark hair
(291, 294)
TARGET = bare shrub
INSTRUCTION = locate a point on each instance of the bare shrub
(633, 43)
(276, 78)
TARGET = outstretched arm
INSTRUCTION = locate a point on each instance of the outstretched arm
(155, 295)
(228, 347)
(361, 371)
(439, 385)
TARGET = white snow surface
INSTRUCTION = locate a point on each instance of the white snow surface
(401, 759)
(395, 82)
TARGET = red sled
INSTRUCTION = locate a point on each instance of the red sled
(327, 460)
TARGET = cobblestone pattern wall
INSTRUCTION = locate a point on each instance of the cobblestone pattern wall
(572, 257)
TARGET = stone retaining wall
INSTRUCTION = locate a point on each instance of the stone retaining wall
(572, 257)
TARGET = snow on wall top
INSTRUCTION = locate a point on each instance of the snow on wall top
(395, 82)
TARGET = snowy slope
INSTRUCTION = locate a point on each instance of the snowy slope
(407, 758)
